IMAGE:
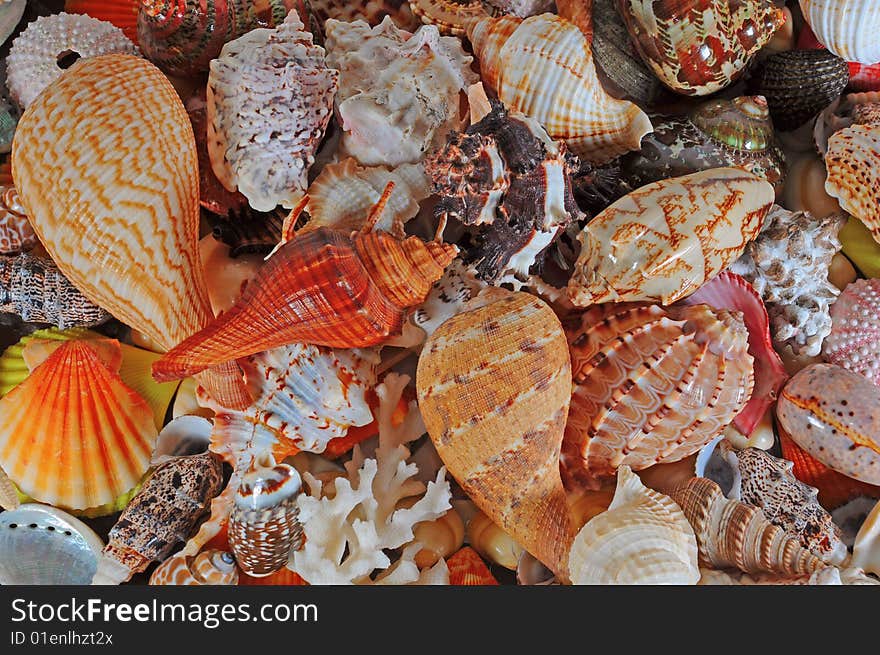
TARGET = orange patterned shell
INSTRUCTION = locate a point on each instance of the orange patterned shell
(209, 567)
(467, 568)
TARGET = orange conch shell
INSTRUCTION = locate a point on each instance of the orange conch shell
(209, 567)
(105, 161)
(494, 385)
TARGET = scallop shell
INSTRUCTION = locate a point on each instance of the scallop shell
(854, 342)
(663, 241)
(16, 233)
(209, 567)
(848, 28)
(41, 545)
(270, 98)
(643, 538)
(494, 385)
(467, 568)
(94, 434)
(450, 16)
(866, 550)
(543, 67)
(41, 53)
(121, 13)
(853, 164)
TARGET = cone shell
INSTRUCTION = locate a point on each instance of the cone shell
(209, 567)
(848, 28)
(854, 342)
(853, 164)
(663, 241)
(72, 434)
(732, 534)
(121, 13)
(543, 67)
(643, 538)
(494, 385)
(467, 568)
(651, 386)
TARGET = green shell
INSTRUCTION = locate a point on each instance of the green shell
(742, 123)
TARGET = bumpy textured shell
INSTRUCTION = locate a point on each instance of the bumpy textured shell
(494, 385)
(643, 538)
(122, 13)
(697, 47)
(270, 98)
(663, 241)
(853, 164)
(72, 434)
(467, 568)
(372, 11)
(33, 287)
(105, 162)
(834, 414)
(398, 92)
(543, 67)
(651, 385)
(450, 16)
(733, 534)
(787, 264)
(35, 58)
(324, 288)
(16, 233)
(209, 567)
(854, 342)
(848, 28)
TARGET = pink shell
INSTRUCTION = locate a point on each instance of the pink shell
(732, 292)
(854, 342)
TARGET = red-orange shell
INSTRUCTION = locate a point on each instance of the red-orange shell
(467, 568)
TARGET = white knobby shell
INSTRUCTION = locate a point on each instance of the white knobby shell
(848, 28)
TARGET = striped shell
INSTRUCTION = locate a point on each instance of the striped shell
(494, 385)
(209, 567)
(651, 385)
(854, 342)
(853, 164)
(467, 568)
(16, 233)
(543, 67)
(848, 28)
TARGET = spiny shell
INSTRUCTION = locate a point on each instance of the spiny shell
(467, 568)
(853, 164)
(494, 385)
(854, 342)
(697, 47)
(450, 16)
(732, 534)
(209, 567)
(643, 538)
(121, 13)
(37, 55)
(651, 385)
(16, 233)
(663, 241)
(834, 414)
(543, 67)
(270, 98)
(848, 28)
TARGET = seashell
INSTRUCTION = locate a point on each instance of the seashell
(841, 273)
(827, 576)
(866, 550)
(16, 233)
(209, 567)
(257, 233)
(650, 385)
(121, 13)
(72, 434)
(663, 241)
(41, 545)
(398, 92)
(731, 292)
(50, 44)
(284, 577)
(525, 8)
(264, 526)
(8, 123)
(860, 248)
(733, 534)
(9, 499)
(851, 515)
(371, 11)
(853, 160)
(494, 385)
(11, 12)
(184, 435)
(226, 277)
(787, 264)
(449, 295)
(467, 568)
(160, 516)
(864, 77)
(798, 84)
(492, 542)
(297, 298)
(520, 59)
(848, 28)
(140, 264)
(805, 187)
(854, 341)
(270, 98)
(643, 538)
(451, 17)
(439, 538)
(672, 37)
(530, 571)
(834, 414)
(186, 402)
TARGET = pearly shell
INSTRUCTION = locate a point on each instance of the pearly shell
(16, 233)
(494, 385)
(848, 28)
(834, 414)
(209, 567)
(543, 67)
(643, 538)
(854, 342)
(853, 163)
(866, 550)
(663, 241)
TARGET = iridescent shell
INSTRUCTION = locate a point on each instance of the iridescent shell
(848, 28)
(16, 233)
(209, 567)
(543, 67)
(450, 16)
(121, 13)
(853, 164)
(467, 568)
(854, 342)
(697, 47)
(663, 241)
(834, 414)
(651, 385)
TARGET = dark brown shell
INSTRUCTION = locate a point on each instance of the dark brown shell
(249, 231)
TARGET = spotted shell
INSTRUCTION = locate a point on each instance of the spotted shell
(854, 342)
(16, 233)
(209, 567)
(853, 164)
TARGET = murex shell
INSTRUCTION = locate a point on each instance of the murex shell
(651, 385)
(854, 342)
(270, 98)
(209, 567)
(16, 233)
(853, 164)
(664, 240)
(848, 28)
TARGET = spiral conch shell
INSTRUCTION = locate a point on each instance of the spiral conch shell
(105, 161)
(494, 385)
(643, 538)
(543, 67)
(209, 567)
(848, 28)
(853, 164)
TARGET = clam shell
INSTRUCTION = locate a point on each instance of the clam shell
(209, 567)
(853, 164)
(848, 28)
(854, 342)
(467, 568)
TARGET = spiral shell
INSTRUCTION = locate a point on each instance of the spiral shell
(848, 28)
(209, 567)
(16, 233)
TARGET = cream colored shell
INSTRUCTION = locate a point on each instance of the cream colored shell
(853, 164)
(848, 28)
(866, 550)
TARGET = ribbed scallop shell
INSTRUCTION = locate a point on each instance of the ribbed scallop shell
(732, 534)
(643, 538)
(651, 385)
(270, 98)
(35, 58)
(72, 434)
(209, 567)
(661, 242)
(543, 67)
(467, 568)
(853, 164)
(848, 28)
(16, 233)
(854, 342)
(494, 385)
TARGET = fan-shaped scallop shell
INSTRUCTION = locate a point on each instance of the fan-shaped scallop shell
(16, 233)
(467, 568)
(209, 567)
(853, 164)
(854, 342)
(848, 28)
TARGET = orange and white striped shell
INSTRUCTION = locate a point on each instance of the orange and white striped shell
(853, 165)
(209, 567)
(467, 569)
(652, 385)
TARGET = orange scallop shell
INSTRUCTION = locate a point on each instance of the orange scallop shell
(467, 568)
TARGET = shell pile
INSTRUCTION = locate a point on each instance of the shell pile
(466, 292)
